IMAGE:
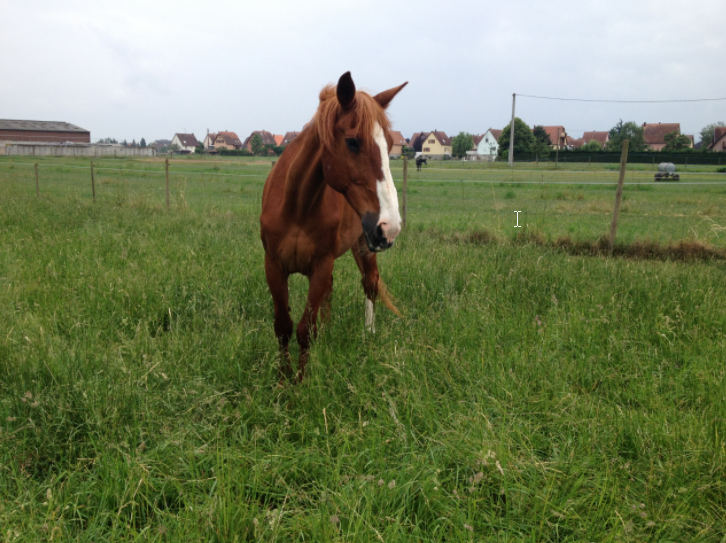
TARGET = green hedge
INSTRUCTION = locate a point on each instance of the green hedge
(653, 157)
(234, 152)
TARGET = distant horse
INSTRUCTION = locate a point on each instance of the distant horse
(420, 160)
(330, 191)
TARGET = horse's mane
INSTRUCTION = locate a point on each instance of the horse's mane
(367, 110)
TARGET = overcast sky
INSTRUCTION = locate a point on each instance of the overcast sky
(136, 69)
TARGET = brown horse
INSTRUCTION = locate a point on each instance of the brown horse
(330, 191)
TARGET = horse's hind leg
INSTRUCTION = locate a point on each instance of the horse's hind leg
(368, 266)
(321, 286)
(277, 281)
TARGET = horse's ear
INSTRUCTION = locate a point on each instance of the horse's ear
(346, 91)
(384, 98)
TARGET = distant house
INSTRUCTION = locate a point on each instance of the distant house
(488, 143)
(435, 144)
(209, 141)
(655, 134)
(398, 143)
(558, 136)
(186, 142)
(575, 143)
(288, 137)
(160, 144)
(227, 140)
(601, 137)
(278, 139)
(718, 145)
(267, 139)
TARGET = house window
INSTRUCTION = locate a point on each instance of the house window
(432, 141)
(427, 150)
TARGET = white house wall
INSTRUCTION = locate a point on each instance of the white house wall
(176, 140)
(487, 145)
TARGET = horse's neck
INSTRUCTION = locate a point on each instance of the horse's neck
(305, 183)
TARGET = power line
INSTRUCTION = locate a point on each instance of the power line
(622, 101)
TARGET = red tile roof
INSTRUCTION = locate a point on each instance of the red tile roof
(495, 132)
(267, 137)
(442, 137)
(398, 138)
(554, 131)
(278, 139)
(576, 143)
(655, 133)
(230, 137)
(718, 134)
(477, 139)
(288, 137)
(600, 137)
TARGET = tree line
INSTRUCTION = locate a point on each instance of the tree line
(537, 142)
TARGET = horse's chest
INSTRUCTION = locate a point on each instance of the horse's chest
(298, 250)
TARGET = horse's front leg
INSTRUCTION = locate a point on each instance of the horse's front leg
(321, 286)
(277, 281)
(368, 266)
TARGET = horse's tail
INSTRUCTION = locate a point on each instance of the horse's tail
(386, 297)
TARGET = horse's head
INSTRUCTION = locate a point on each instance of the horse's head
(354, 133)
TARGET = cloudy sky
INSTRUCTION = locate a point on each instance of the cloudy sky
(137, 69)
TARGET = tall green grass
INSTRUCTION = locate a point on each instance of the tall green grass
(525, 395)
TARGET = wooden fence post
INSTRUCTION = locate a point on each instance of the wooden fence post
(618, 196)
(37, 182)
(405, 187)
(167, 183)
(93, 183)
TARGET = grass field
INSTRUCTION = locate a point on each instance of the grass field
(525, 395)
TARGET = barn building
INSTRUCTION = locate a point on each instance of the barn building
(42, 132)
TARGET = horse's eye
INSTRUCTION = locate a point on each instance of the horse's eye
(352, 144)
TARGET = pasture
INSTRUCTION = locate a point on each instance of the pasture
(526, 394)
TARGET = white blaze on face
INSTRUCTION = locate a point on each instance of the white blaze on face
(390, 217)
(370, 317)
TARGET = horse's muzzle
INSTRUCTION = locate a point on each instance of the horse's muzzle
(373, 232)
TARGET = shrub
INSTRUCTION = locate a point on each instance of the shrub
(234, 152)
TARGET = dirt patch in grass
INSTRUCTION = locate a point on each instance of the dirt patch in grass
(685, 250)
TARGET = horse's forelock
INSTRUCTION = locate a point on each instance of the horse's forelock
(367, 110)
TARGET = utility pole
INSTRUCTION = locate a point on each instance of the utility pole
(557, 155)
(511, 133)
